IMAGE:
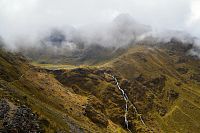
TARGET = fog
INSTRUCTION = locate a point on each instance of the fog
(105, 22)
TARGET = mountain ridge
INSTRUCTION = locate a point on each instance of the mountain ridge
(161, 82)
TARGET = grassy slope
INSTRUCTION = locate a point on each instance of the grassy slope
(183, 113)
(22, 84)
(53, 101)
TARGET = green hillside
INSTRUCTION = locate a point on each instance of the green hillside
(162, 85)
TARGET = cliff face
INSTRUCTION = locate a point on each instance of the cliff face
(161, 85)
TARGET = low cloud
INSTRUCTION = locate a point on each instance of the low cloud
(28, 23)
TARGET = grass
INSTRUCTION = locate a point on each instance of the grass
(182, 116)
(53, 66)
(183, 113)
(53, 100)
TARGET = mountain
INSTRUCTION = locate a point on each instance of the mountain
(168, 94)
(142, 88)
(90, 44)
(33, 100)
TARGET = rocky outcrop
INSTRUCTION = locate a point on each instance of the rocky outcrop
(20, 119)
(4, 108)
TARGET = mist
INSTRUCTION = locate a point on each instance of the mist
(29, 23)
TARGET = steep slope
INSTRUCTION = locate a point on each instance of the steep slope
(160, 81)
(149, 88)
(170, 79)
(26, 92)
(98, 84)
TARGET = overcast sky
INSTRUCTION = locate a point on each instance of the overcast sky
(28, 17)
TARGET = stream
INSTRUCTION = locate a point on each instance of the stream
(126, 106)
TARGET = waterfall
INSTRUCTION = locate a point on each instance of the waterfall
(126, 100)
(126, 106)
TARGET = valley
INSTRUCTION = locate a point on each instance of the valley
(99, 66)
(146, 89)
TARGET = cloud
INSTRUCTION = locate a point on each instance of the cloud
(28, 19)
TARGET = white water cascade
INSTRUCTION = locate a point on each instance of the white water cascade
(126, 107)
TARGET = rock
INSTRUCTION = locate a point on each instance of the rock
(4, 108)
(22, 121)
